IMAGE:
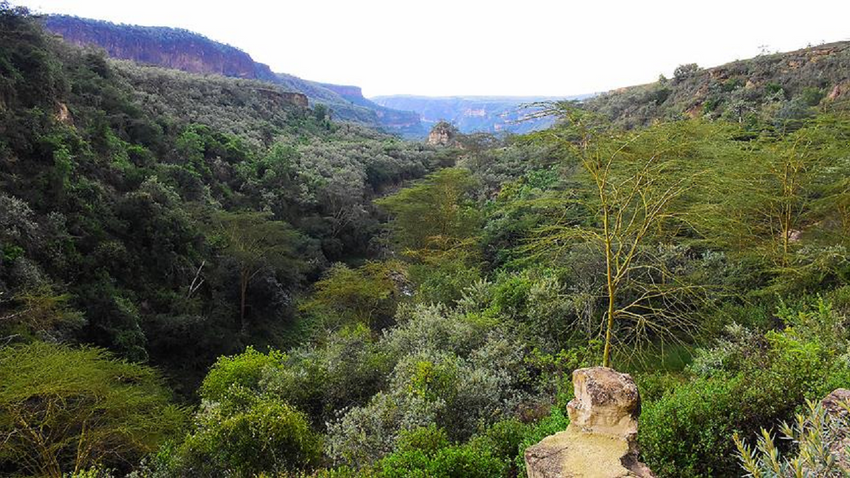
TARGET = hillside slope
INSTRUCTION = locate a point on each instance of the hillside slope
(194, 53)
(116, 183)
(780, 85)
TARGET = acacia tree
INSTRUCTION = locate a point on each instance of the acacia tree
(782, 185)
(434, 224)
(63, 410)
(433, 214)
(255, 241)
(632, 184)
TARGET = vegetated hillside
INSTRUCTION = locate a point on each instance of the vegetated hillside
(194, 53)
(779, 85)
(475, 114)
(129, 196)
(155, 222)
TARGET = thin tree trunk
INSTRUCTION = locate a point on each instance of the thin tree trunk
(243, 297)
(606, 354)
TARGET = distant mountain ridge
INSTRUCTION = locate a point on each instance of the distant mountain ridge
(490, 114)
(194, 53)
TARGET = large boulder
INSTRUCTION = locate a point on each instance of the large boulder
(600, 441)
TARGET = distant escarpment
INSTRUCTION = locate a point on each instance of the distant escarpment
(187, 51)
(166, 47)
(781, 86)
(473, 114)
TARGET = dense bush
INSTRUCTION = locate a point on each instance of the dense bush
(753, 382)
(226, 438)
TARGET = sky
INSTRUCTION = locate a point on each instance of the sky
(496, 47)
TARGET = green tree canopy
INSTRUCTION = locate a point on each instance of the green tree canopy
(64, 410)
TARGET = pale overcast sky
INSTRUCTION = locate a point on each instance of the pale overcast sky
(472, 47)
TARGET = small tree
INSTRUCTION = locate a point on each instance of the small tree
(631, 185)
(776, 188)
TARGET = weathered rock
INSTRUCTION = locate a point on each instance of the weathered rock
(836, 405)
(839, 91)
(600, 441)
(442, 134)
(63, 115)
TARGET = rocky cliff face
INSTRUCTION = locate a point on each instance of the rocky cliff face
(194, 53)
(394, 119)
(166, 47)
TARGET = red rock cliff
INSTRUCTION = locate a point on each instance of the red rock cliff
(166, 47)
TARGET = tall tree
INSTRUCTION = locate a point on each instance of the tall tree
(780, 186)
(255, 242)
(433, 213)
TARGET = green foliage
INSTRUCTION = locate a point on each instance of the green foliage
(434, 223)
(819, 438)
(245, 435)
(762, 380)
(368, 294)
(434, 213)
(65, 410)
(426, 453)
(242, 371)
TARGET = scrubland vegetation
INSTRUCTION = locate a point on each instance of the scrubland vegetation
(197, 282)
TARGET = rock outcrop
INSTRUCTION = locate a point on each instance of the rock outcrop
(601, 440)
(836, 406)
(442, 134)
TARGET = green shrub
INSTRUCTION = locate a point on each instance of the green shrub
(687, 432)
(250, 436)
(243, 370)
(426, 453)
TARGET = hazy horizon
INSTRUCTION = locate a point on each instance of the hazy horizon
(447, 49)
